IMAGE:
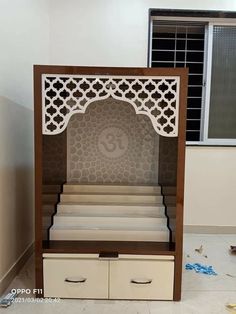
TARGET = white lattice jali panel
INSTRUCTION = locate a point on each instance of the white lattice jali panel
(156, 97)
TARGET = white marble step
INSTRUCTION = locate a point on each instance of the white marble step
(111, 189)
(68, 220)
(111, 210)
(160, 234)
(110, 198)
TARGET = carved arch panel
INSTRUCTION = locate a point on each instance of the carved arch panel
(154, 96)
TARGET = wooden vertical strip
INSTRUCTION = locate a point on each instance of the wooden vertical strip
(38, 178)
(180, 185)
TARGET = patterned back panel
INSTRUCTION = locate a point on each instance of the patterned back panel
(111, 144)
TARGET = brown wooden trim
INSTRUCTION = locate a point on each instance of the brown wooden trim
(122, 247)
(38, 179)
(180, 184)
(59, 69)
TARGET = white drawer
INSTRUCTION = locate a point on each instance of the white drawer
(75, 278)
(141, 279)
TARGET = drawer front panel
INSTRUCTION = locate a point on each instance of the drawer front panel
(132, 279)
(75, 278)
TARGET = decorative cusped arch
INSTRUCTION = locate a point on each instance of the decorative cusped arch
(154, 96)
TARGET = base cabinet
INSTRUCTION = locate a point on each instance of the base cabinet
(75, 278)
(139, 277)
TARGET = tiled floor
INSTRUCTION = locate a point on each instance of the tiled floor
(202, 294)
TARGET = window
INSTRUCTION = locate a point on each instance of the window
(207, 46)
(176, 45)
(222, 115)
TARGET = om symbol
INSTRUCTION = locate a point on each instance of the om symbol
(113, 142)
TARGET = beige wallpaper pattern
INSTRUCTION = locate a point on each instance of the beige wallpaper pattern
(111, 144)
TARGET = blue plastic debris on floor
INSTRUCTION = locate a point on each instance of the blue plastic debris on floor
(199, 268)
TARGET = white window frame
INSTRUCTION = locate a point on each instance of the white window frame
(207, 71)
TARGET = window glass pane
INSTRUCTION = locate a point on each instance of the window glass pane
(181, 44)
(222, 115)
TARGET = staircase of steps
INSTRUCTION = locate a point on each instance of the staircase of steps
(110, 212)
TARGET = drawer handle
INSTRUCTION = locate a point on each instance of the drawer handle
(79, 280)
(141, 281)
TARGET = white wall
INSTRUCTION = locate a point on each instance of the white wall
(115, 33)
(24, 41)
(210, 186)
(109, 32)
